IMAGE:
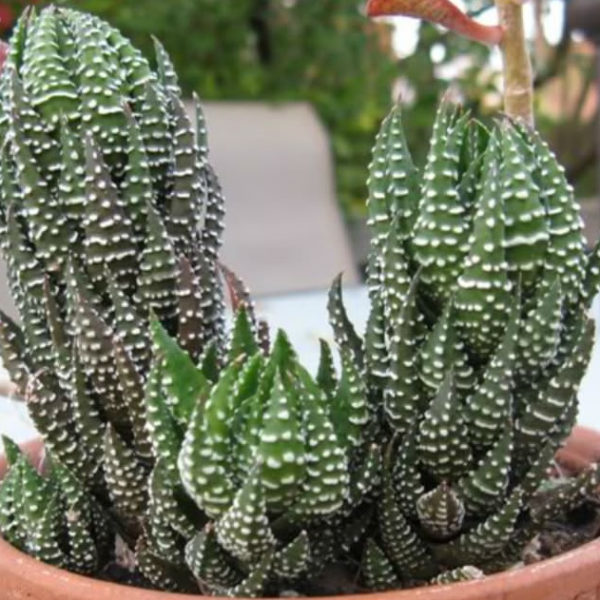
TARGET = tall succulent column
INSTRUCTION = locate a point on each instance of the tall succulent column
(476, 345)
(109, 212)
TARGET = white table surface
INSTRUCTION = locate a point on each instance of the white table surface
(304, 317)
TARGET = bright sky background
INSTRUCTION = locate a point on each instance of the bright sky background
(406, 36)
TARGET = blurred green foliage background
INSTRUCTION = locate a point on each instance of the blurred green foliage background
(328, 53)
(322, 51)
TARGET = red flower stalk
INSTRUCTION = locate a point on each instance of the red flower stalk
(441, 12)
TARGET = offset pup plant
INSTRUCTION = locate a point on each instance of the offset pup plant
(217, 464)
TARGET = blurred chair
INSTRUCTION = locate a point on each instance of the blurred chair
(283, 230)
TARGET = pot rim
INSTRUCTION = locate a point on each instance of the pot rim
(585, 556)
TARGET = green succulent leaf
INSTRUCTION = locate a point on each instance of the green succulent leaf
(293, 560)
(11, 450)
(441, 230)
(401, 544)
(546, 410)
(326, 375)
(378, 183)
(526, 238)
(208, 561)
(185, 383)
(442, 440)
(406, 476)
(325, 485)
(205, 454)
(209, 363)
(591, 284)
(346, 338)
(482, 299)
(125, 476)
(128, 325)
(164, 499)
(13, 352)
(157, 277)
(36, 153)
(376, 357)
(43, 539)
(253, 586)
(100, 86)
(136, 186)
(166, 71)
(83, 554)
(71, 183)
(396, 276)
(377, 571)
(243, 339)
(280, 452)
(540, 331)
(89, 425)
(538, 471)
(131, 386)
(190, 328)
(189, 188)
(443, 350)
(402, 396)
(366, 476)
(441, 512)
(163, 574)
(485, 487)
(10, 523)
(565, 254)
(109, 243)
(349, 408)
(30, 273)
(566, 496)
(164, 431)
(200, 130)
(490, 407)
(53, 417)
(488, 538)
(243, 530)
(95, 345)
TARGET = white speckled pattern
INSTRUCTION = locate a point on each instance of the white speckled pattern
(304, 317)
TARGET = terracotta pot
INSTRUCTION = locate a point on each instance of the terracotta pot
(572, 576)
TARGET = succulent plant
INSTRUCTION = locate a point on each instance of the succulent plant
(205, 463)
(215, 463)
(426, 460)
(109, 210)
(476, 344)
(109, 213)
